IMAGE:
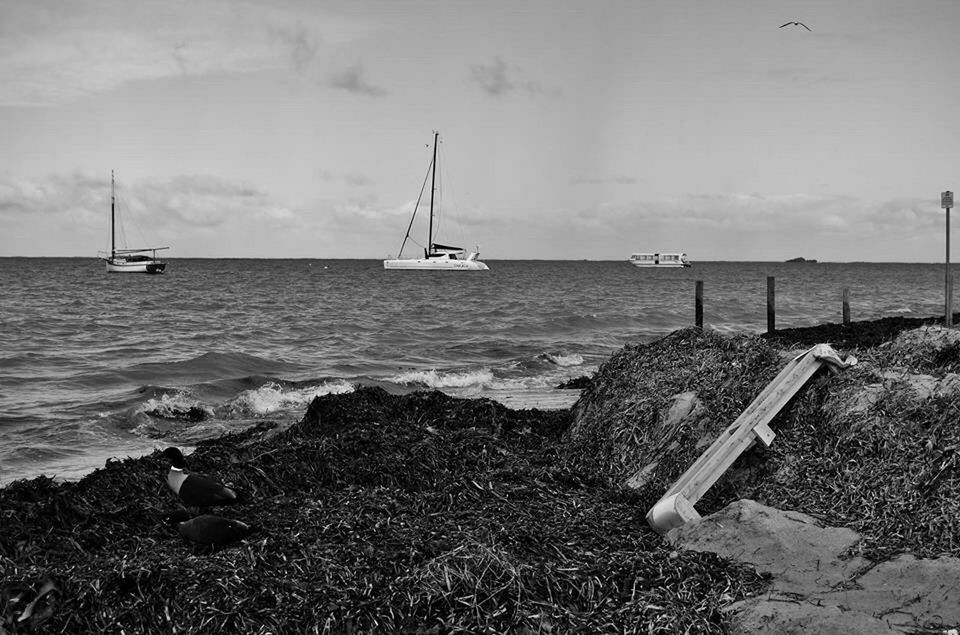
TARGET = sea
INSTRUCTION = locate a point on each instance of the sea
(96, 366)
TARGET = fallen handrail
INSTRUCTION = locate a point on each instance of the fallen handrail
(676, 507)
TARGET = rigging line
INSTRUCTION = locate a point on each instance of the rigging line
(412, 218)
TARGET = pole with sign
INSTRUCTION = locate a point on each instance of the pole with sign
(946, 202)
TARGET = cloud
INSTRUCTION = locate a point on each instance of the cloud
(201, 201)
(353, 179)
(492, 78)
(743, 226)
(52, 53)
(56, 196)
(897, 214)
(303, 45)
(78, 206)
(497, 80)
(358, 180)
(202, 215)
(352, 80)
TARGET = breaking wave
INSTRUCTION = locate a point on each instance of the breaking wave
(442, 379)
(275, 397)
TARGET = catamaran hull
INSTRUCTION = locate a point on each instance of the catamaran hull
(136, 267)
(661, 265)
(433, 264)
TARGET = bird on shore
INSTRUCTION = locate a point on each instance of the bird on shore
(195, 490)
(208, 529)
(796, 24)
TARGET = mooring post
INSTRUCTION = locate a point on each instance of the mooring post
(846, 305)
(771, 306)
(698, 308)
(946, 202)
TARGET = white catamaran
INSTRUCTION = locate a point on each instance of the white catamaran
(435, 256)
(128, 260)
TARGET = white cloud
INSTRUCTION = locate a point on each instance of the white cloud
(200, 215)
(53, 52)
(745, 226)
(78, 207)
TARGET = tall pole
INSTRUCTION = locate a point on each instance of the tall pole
(948, 313)
(946, 201)
(113, 219)
(433, 182)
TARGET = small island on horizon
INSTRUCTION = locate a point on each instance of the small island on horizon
(801, 259)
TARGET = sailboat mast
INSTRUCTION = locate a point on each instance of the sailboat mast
(113, 219)
(433, 188)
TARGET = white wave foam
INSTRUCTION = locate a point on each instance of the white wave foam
(434, 379)
(272, 397)
(171, 405)
(564, 360)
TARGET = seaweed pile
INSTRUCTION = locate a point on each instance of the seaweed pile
(859, 335)
(873, 448)
(618, 419)
(427, 513)
(377, 513)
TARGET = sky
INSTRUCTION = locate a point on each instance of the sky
(569, 129)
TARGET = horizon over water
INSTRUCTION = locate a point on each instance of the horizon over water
(96, 365)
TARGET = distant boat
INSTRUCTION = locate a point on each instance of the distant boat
(128, 260)
(435, 256)
(659, 260)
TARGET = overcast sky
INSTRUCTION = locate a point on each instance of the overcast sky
(570, 129)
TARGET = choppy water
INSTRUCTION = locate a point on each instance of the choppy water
(95, 365)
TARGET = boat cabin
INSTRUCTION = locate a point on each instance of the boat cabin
(659, 260)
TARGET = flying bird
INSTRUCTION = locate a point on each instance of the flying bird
(796, 24)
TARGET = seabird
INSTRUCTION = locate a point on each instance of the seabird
(195, 490)
(796, 24)
(210, 530)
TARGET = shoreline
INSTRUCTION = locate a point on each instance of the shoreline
(403, 512)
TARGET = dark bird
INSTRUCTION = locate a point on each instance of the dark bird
(195, 490)
(210, 530)
(796, 24)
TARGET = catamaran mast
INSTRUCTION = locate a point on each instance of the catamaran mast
(433, 181)
(113, 220)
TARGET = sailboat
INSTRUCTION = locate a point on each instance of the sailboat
(435, 256)
(129, 260)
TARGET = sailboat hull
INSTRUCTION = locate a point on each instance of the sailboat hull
(434, 264)
(119, 266)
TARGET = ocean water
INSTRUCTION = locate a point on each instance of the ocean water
(96, 365)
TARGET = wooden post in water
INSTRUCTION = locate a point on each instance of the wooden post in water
(846, 305)
(771, 306)
(698, 309)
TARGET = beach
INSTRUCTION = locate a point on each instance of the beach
(425, 512)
